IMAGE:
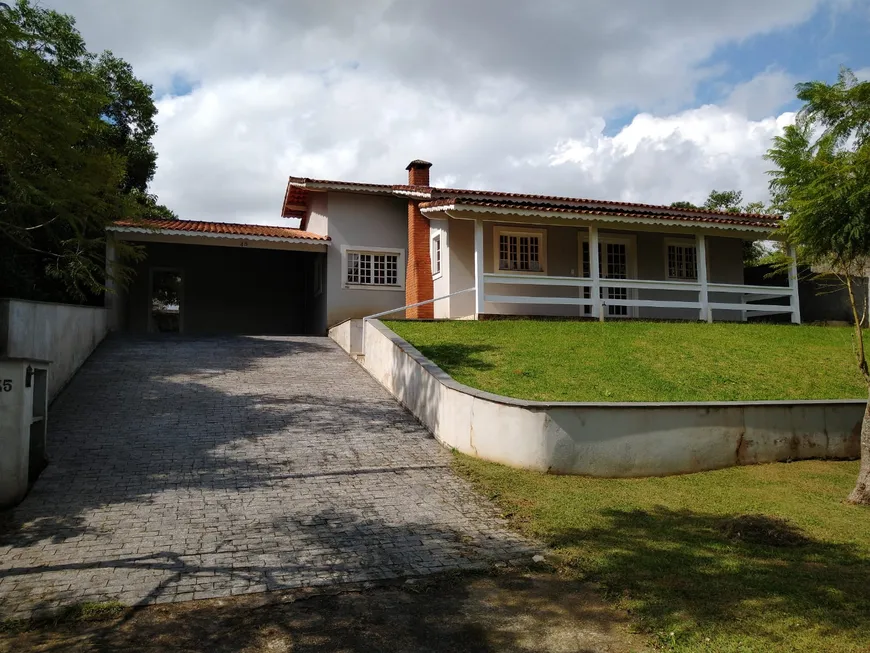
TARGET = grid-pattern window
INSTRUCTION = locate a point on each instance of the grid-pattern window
(682, 262)
(370, 269)
(436, 254)
(519, 252)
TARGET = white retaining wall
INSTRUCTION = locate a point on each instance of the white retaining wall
(608, 439)
(63, 334)
(348, 335)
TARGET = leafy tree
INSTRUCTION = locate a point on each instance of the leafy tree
(822, 182)
(75, 155)
(725, 200)
(732, 202)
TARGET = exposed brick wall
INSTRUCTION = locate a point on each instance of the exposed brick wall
(418, 281)
(418, 276)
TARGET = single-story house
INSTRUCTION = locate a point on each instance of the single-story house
(362, 249)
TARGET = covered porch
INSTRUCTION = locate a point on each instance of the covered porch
(680, 266)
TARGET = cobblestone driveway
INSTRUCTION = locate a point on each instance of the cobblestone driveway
(185, 469)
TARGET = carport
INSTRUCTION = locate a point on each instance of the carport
(200, 278)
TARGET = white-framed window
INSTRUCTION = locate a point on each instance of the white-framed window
(520, 250)
(681, 260)
(436, 254)
(373, 268)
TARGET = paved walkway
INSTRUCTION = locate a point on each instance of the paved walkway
(199, 468)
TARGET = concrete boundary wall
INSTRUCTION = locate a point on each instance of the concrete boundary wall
(348, 335)
(63, 334)
(608, 439)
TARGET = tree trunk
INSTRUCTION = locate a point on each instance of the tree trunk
(861, 493)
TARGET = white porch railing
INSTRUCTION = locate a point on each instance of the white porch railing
(711, 292)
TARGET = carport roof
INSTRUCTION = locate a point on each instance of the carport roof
(218, 229)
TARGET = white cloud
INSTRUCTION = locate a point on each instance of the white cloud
(762, 95)
(512, 96)
(661, 159)
(227, 150)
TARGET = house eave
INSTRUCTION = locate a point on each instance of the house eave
(205, 234)
(591, 216)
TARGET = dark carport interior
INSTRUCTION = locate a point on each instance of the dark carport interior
(201, 290)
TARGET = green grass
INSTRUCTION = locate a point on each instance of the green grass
(89, 611)
(694, 571)
(642, 361)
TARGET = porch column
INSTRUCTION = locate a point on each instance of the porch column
(478, 269)
(594, 271)
(794, 300)
(706, 313)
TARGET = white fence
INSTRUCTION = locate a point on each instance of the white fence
(747, 297)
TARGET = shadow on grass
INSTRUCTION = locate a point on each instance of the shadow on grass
(455, 357)
(739, 574)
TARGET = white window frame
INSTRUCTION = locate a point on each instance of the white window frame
(630, 242)
(685, 243)
(436, 251)
(400, 263)
(499, 231)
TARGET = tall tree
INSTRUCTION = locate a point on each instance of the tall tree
(822, 182)
(75, 155)
(732, 202)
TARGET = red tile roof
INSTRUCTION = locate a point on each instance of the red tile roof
(661, 213)
(222, 228)
(455, 192)
(525, 201)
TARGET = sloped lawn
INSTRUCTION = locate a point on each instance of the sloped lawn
(762, 559)
(642, 361)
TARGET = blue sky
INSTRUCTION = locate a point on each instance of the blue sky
(815, 49)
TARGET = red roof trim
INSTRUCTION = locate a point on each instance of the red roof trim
(750, 220)
(194, 227)
(435, 194)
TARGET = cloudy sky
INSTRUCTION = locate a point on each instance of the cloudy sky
(615, 99)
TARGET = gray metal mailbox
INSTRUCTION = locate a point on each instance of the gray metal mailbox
(23, 425)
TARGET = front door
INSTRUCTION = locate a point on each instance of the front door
(613, 263)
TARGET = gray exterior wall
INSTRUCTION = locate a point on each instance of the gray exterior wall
(233, 290)
(461, 266)
(318, 212)
(563, 259)
(361, 221)
(63, 334)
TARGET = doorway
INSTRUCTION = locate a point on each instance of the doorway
(615, 261)
(166, 301)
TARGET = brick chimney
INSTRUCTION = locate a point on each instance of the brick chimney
(418, 278)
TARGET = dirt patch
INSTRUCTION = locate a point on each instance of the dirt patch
(508, 611)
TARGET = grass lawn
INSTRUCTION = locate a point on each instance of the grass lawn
(642, 361)
(705, 562)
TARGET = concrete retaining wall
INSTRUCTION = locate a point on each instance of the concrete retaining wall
(348, 335)
(608, 439)
(61, 333)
